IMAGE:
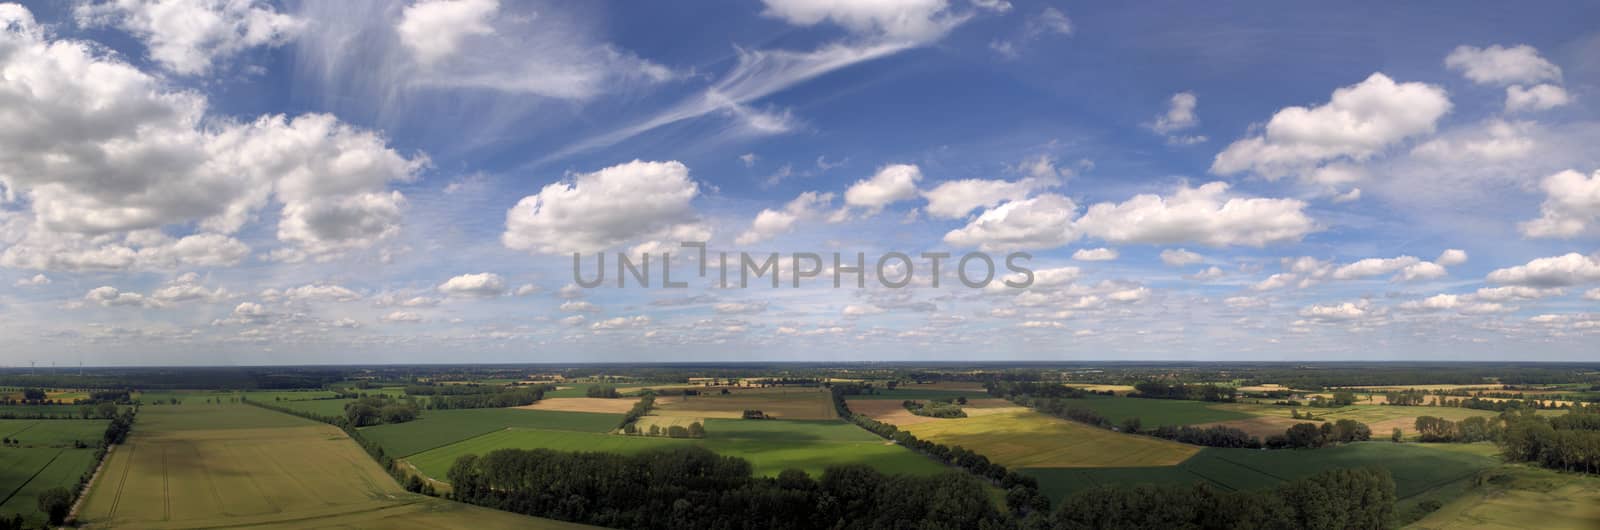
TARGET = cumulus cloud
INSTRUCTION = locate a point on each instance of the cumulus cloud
(898, 20)
(187, 287)
(861, 310)
(189, 36)
(110, 150)
(771, 223)
(1207, 274)
(316, 292)
(599, 210)
(1180, 116)
(1571, 205)
(1207, 215)
(1358, 122)
(406, 317)
(1040, 222)
(108, 296)
(1180, 257)
(956, 198)
(1341, 312)
(1095, 254)
(621, 323)
(1541, 97)
(1451, 257)
(433, 29)
(739, 308)
(892, 183)
(36, 281)
(527, 289)
(1500, 65)
(1556, 271)
(482, 285)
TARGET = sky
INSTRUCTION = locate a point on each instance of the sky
(245, 182)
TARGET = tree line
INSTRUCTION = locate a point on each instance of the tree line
(1193, 392)
(694, 488)
(1337, 499)
(1570, 442)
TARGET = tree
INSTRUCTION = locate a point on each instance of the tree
(56, 503)
(696, 430)
(1131, 425)
(1397, 436)
(677, 431)
(106, 410)
(33, 394)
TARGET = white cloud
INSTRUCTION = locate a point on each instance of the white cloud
(1180, 257)
(1276, 281)
(899, 20)
(1040, 222)
(1499, 65)
(317, 292)
(36, 281)
(1370, 267)
(188, 36)
(1495, 141)
(527, 289)
(1358, 122)
(1244, 302)
(482, 285)
(1516, 292)
(954, 199)
(861, 310)
(595, 211)
(1180, 114)
(1049, 20)
(1207, 215)
(407, 317)
(1592, 294)
(1451, 257)
(1541, 97)
(621, 323)
(1556, 271)
(108, 296)
(1342, 312)
(1207, 274)
(187, 287)
(579, 306)
(1423, 270)
(1095, 254)
(434, 29)
(1571, 205)
(739, 308)
(771, 223)
(892, 183)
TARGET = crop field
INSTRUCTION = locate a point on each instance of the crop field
(25, 472)
(40, 411)
(1092, 387)
(438, 428)
(202, 465)
(1157, 412)
(1522, 497)
(771, 446)
(781, 403)
(594, 405)
(53, 433)
(1417, 468)
(1029, 439)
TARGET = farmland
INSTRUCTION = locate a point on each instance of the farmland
(781, 403)
(438, 428)
(1416, 468)
(1521, 497)
(233, 465)
(1156, 412)
(1025, 439)
(27, 471)
(770, 445)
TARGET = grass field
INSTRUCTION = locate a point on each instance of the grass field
(1417, 468)
(916, 392)
(782, 403)
(1025, 438)
(1157, 412)
(53, 433)
(191, 466)
(771, 446)
(35, 411)
(438, 428)
(27, 471)
(1516, 496)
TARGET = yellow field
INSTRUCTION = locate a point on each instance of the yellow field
(1524, 497)
(1025, 438)
(781, 403)
(207, 466)
(1119, 389)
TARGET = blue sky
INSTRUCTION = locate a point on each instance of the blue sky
(210, 182)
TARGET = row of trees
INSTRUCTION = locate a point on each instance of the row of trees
(1341, 499)
(1174, 390)
(1570, 442)
(1468, 430)
(504, 397)
(935, 409)
(1312, 436)
(1022, 492)
(693, 488)
(639, 409)
(376, 409)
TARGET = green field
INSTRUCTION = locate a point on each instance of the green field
(1516, 496)
(25, 472)
(1417, 468)
(1158, 412)
(1029, 439)
(228, 465)
(38, 411)
(771, 446)
(438, 428)
(54, 433)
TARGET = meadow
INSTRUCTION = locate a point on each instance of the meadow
(438, 428)
(1023, 439)
(1416, 468)
(1515, 496)
(781, 403)
(238, 465)
(26, 472)
(1157, 412)
(53, 433)
(771, 446)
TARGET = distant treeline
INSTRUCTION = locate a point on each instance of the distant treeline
(1338, 499)
(694, 488)
(1200, 392)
